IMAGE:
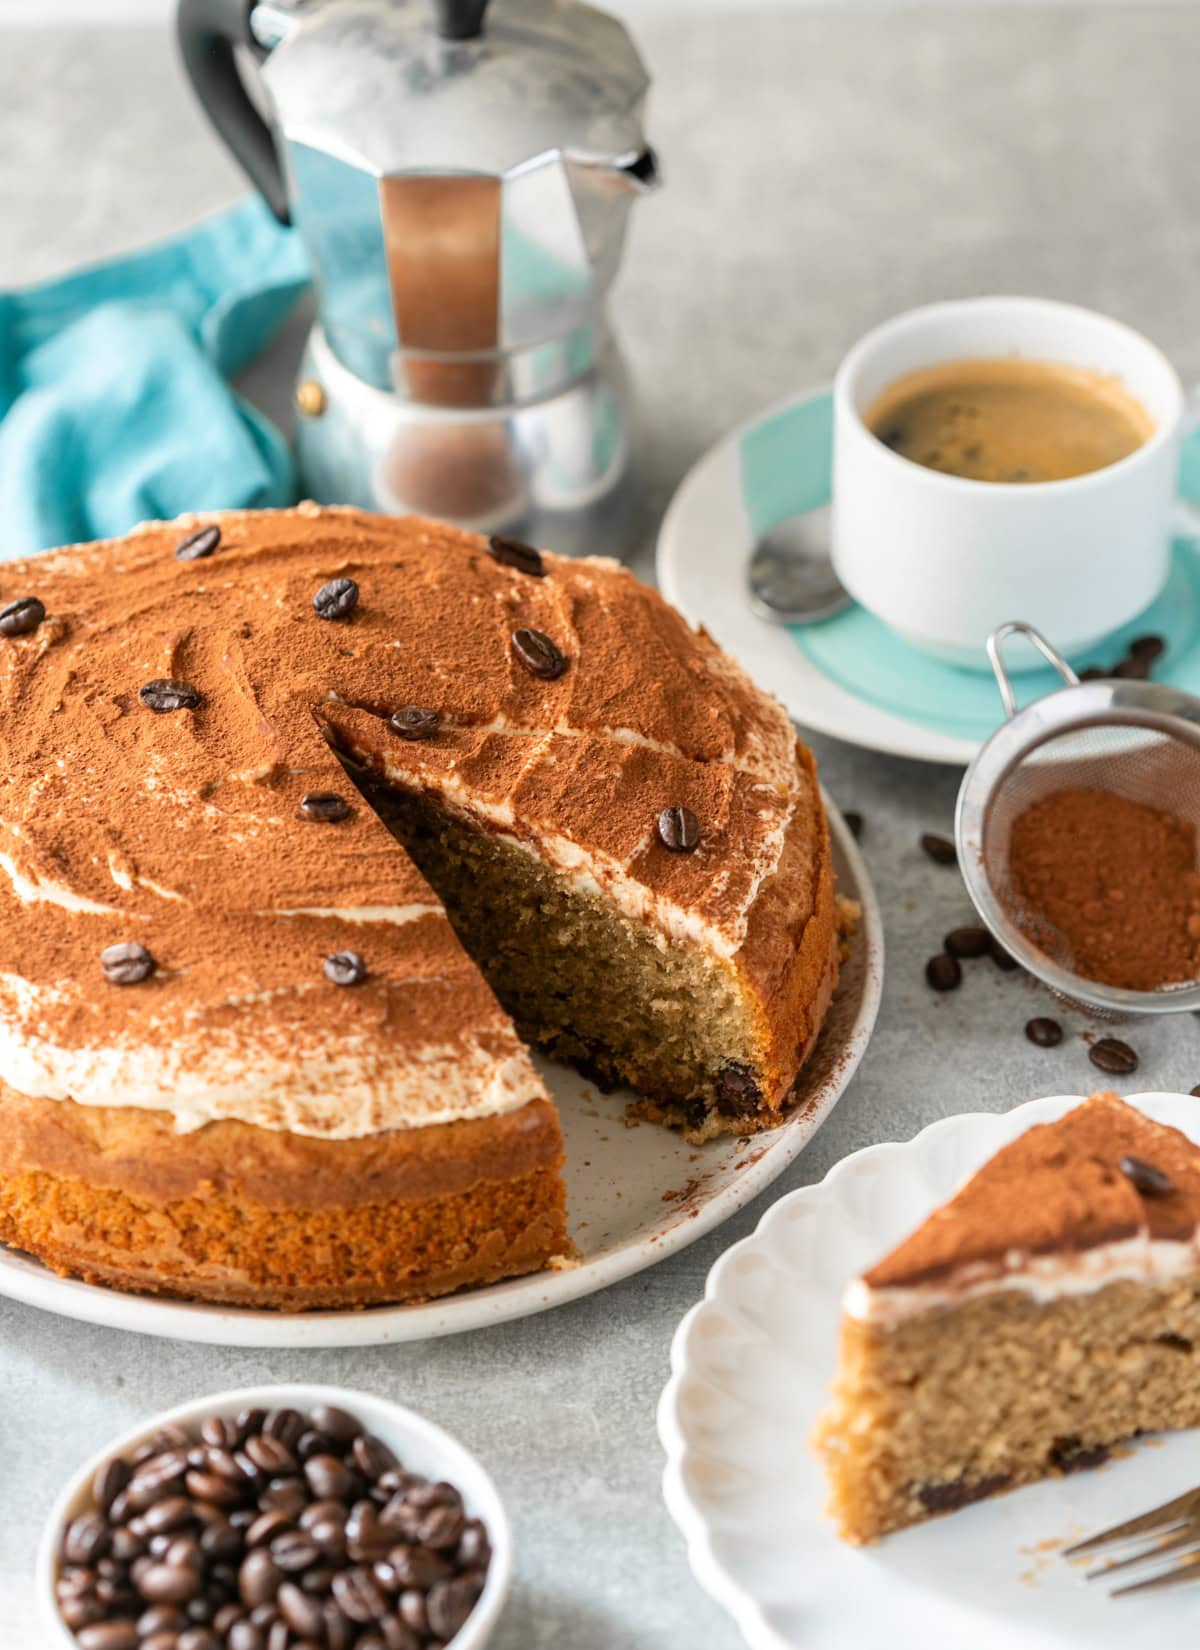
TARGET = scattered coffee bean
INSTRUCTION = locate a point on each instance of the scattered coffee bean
(1004, 960)
(336, 599)
(968, 942)
(345, 968)
(199, 544)
(1195, 1091)
(1146, 1178)
(324, 807)
(1132, 669)
(939, 849)
(1113, 1056)
(1147, 647)
(540, 656)
(415, 722)
(854, 823)
(126, 963)
(944, 972)
(1046, 1033)
(21, 616)
(678, 830)
(165, 694)
(512, 553)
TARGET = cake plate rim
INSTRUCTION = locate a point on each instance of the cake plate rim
(750, 1170)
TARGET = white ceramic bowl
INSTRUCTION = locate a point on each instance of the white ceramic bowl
(421, 1447)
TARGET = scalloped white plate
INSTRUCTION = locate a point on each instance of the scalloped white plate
(751, 1365)
(634, 1195)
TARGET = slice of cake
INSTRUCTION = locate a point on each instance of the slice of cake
(1049, 1310)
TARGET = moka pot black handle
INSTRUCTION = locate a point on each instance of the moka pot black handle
(208, 31)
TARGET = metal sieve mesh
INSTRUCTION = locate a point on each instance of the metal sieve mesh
(1137, 740)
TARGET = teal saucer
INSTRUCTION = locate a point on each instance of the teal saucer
(786, 465)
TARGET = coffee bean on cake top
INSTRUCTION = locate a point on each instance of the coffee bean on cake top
(165, 694)
(512, 553)
(540, 656)
(185, 1547)
(336, 599)
(415, 722)
(678, 830)
(345, 968)
(21, 617)
(198, 545)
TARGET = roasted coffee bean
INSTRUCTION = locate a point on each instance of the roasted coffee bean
(110, 1478)
(417, 1566)
(1148, 647)
(474, 1548)
(440, 1528)
(161, 1618)
(336, 599)
(302, 1614)
(109, 1635)
(411, 1606)
(358, 1595)
(221, 1431)
(1146, 1178)
(211, 1487)
(166, 1441)
(221, 1461)
(967, 942)
(398, 1479)
(394, 1635)
(450, 1603)
(266, 1527)
(258, 1579)
(198, 1638)
(313, 1443)
(339, 1631)
(22, 616)
(678, 830)
(1044, 1032)
(540, 656)
(244, 1635)
(169, 1514)
(326, 1508)
(372, 1456)
(250, 1420)
(318, 1579)
(221, 1541)
(269, 1454)
(336, 1423)
(1093, 673)
(944, 972)
(1113, 1056)
(279, 1636)
(939, 849)
(1004, 960)
(169, 1583)
(165, 694)
(293, 1551)
(285, 1424)
(854, 823)
(287, 1494)
(122, 1508)
(400, 1517)
(75, 1581)
(199, 544)
(1132, 669)
(434, 1495)
(81, 1611)
(513, 553)
(366, 1537)
(184, 1549)
(329, 1536)
(324, 807)
(126, 963)
(415, 722)
(225, 1618)
(345, 968)
(85, 1539)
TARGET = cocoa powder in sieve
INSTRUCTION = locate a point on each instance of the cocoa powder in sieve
(1108, 887)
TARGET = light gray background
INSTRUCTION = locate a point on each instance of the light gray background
(825, 168)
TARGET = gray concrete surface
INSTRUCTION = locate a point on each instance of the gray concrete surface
(824, 170)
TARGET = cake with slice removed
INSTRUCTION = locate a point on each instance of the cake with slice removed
(1048, 1311)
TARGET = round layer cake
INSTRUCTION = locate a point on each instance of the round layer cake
(280, 873)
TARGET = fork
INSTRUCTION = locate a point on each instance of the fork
(1172, 1530)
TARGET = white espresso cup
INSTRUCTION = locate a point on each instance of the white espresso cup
(944, 559)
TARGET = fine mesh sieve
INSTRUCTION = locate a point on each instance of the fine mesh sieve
(1137, 740)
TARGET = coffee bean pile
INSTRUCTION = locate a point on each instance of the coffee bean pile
(274, 1530)
(1137, 665)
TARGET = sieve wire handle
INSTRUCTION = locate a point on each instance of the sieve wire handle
(995, 643)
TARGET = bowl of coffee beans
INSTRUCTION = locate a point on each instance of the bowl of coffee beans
(277, 1518)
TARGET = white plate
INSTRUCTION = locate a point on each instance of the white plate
(751, 1366)
(635, 1194)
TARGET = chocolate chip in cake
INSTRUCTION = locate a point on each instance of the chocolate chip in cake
(415, 722)
(336, 599)
(1044, 1032)
(126, 963)
(678, 830)
(939, 849)
(944, 972)
(1146, 1178)
(21, 616)
(738, 1094)
(968, 942)
(513, 553)
(540, 656)
(1113, 1056)
(324, 807)
(1070, 1455)
(854, 823)
(199, 544)
(345, 968)
(960, 1492)
(164, 694)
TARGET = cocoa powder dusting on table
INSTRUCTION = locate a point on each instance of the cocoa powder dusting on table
(1108, 887)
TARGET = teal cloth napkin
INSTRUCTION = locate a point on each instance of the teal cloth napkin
(115, 401)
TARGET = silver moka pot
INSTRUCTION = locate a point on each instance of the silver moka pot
(462, 183)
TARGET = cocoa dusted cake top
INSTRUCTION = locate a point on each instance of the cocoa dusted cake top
(198, 910)
(1101, 1194)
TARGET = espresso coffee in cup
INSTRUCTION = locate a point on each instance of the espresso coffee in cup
(1009, 419)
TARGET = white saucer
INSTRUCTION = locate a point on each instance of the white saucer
(635, 1194)
(751, 1366)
